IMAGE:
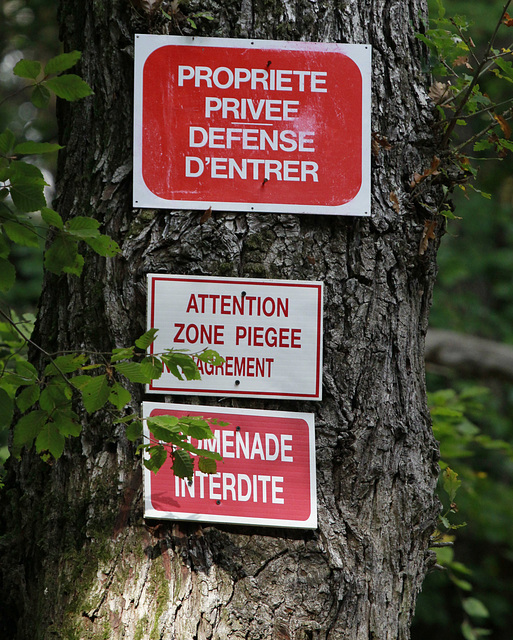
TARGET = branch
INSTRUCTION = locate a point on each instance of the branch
(469, 355)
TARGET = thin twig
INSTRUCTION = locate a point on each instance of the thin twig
(485, 60)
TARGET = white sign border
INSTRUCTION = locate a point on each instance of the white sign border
(359, 206)
(150, 388)
(309, 418)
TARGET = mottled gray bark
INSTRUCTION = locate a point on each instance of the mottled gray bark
(78, 559)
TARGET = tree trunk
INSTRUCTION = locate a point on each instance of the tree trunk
(78, 559)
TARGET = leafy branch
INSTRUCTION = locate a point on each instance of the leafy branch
(460, 439)
(47, 401)
(459, 98)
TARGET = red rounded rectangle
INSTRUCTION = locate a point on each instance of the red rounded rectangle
(256, 125)
(267, 475)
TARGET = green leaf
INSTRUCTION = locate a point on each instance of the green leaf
(95, 393)
(40, 96)
(27, 196)
(4, 247)
(6, 408)
(212, 357)
(28, 397)
(24, 234)
(212, 455)
(158, 456)
(482, 145)
(166, 431)
(133, 371)
(62, 62)
(207, 465)
(462, 584)
(65, 364)
(82, 227)
(63, 256)
(475, 608)
(50, 439)
(67, 423)
(27, 69)
(28, 427)
(104, 246)
(69, 87)
(163, 421)
(25, 172)
(152, 368)
(182, 464)
(134, 430)
(467, 631)
(7, 141)
(506, 67)
(198, 428)
(52, 218)
(7, 275)
(184, 362)
(119, 396)
(31, 148)
(27, 370)
(56, 394)
(451, 483)
(122, 354)
(146, 339)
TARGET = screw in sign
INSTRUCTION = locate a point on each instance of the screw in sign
(266, 477)
(252, 125)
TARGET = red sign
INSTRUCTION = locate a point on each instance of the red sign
(267, 476)
(252, 125)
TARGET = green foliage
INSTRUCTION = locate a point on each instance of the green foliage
(473, 115)
(47, 401)
(176, 16)
(465, 452)
(44, 402)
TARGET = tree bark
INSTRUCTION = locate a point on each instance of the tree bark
(78, 560)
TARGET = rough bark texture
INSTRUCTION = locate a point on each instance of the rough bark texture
(78, 560)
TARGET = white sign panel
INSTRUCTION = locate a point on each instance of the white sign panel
(268, 331)
(266, 477)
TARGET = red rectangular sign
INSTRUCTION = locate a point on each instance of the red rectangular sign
(267, 476)
(252, 125)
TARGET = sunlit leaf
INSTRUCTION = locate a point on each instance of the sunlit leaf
(27, 69)
(103, 245)
(52, 218)
(146, 339)
(31, 148)
(134, 430)
(207, 465)
(69, 87)
(158, 456)
(62, 62)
